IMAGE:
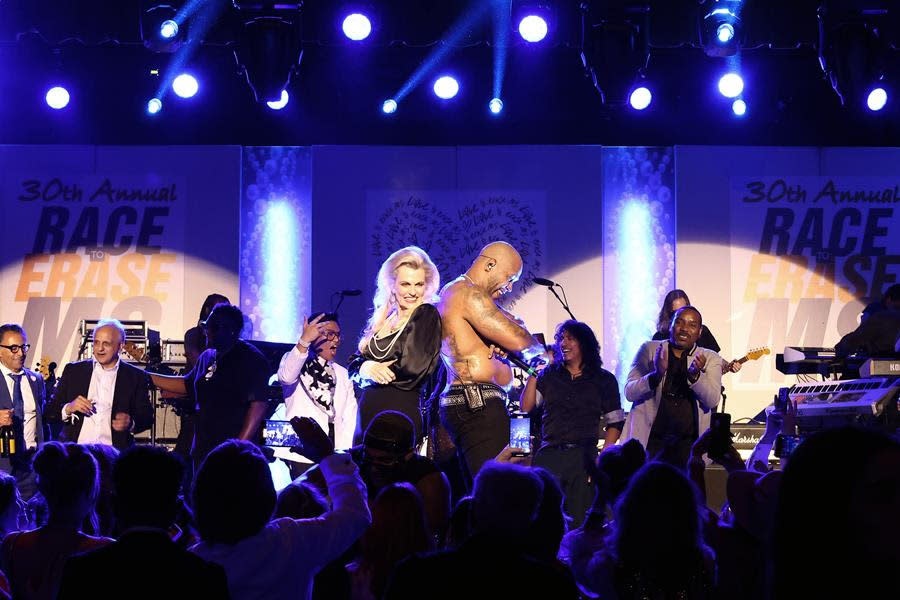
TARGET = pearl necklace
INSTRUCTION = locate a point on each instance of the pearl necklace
(379, 353)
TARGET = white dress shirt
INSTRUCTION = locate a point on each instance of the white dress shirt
(97, 428)
(30, 423)
(298, 404)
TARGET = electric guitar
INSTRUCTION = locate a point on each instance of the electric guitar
(754, 354)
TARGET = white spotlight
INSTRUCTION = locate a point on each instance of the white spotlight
(725, 32)
(446, 87)
(495, 105)
(640, 98)
(731, 85)
(185, 85)
(281, 102)
(168, 29)
(357, 26)
(877, 99)
(533, 28)
(389, 106)
(154, 106)
(739, 107)
(57, 97)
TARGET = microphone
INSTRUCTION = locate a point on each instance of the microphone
(544, 282)
(519, 362)
(350, 292)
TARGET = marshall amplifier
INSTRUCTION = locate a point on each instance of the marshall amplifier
(745, 436)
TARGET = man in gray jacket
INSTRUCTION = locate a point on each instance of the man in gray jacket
(673, 386)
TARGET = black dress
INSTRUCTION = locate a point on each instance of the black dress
(417, 350)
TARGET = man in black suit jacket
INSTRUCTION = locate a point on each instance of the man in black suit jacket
(104, 399)
(21, 407)
(144, 562)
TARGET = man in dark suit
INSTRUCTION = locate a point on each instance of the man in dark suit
(144, 562)
(102, 400)
(21, 407)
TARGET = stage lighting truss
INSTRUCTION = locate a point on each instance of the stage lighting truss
(720, 27)
(615, 48)
(852, 48)
(161, 30)
(269, 48)
(533, 22)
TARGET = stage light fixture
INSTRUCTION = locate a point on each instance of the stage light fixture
(57, 97)
(739, 107)
(160, 29)
(640, 98)
(281, 102)
(356, 26)
(532, 19)
(389, 107)
(533, 28)
(268, 51)
(720, 27)
(495, 106)
(168, 29)
(446, 87)
(185, 86)
(877, 99)
(852, 48)
(154, 105)
(731, 85)
(615, 47)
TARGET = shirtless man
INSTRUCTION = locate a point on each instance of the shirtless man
(474, 408)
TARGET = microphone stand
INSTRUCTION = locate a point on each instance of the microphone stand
(564, 305)
(341, 301)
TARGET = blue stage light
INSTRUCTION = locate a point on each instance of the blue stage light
(731, 85)
(168, 29)
(739, 107)
(495, 106)
(57, 97)
(154, 106)
(389, 106)
(185, 85)
(357, 26)
(281, 102)
(725, 32)
(533, 28)
(640, 98)
(877, 99)
(446, 87)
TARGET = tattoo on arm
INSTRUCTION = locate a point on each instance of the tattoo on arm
(492, 322)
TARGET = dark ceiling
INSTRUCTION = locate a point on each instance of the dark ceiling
(95, 47)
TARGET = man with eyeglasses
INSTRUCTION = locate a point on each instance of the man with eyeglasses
(21, 407)
(228, 384)
(317, 387)
(102, 400)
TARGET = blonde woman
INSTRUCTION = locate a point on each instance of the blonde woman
(400, 347)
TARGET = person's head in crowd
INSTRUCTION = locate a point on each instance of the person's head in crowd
(326, 345)
(388, 442)
(300, 500)
(406, 279)
(619, 464)
(687, 324)
(837, 516)
(101, 521)
(460, 526)
(752, 497)
(398, 530)
(194, 345)
(209, 304)
(891, 298)
(109, 339)
(673, 301)
(233, 494)
(658, 526)
(69, 480)
(577, 345)
(223, 327)
(147, 481)
(505, 500)
(550, 523)
(11, 505)
(13, 347)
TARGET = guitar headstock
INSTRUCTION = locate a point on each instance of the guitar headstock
(43, 367)
(758, 353)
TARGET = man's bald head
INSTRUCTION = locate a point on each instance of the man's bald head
(496, 268)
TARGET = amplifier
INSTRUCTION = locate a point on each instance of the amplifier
(875, 367)
(745, 436)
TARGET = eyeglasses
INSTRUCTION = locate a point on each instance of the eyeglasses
(15, 348)
(332, 335)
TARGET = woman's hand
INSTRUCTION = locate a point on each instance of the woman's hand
(379, 372)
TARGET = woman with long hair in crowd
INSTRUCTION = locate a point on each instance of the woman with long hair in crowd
(401, 344)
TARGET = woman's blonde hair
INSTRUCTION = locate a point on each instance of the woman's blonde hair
(383, 302)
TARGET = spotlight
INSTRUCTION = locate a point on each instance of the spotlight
(877, 99)
(281, 102)
(853, 49)
(168, 29)
(615, 48)
(154, 106)
(185, 85)
(495, 106)
(533, 28)
(57, 97)
(640, 98)
(268, 51)
(739, 107)
(446, 87)
(389, 107)
(731, 85)
(357, 26)
(720, 26)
